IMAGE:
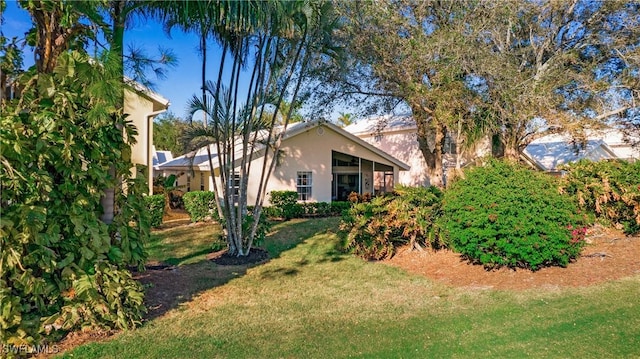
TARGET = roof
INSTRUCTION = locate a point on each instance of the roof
(200, 159)
(160, 157)
(557, 150)
(140, 88)
(382, 124)
(552, 151)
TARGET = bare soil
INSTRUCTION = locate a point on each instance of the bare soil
(608, 255)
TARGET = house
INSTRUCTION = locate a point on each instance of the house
(398, 136)
(143, 105)
(550, 152)
(159, 157)
(318, 159)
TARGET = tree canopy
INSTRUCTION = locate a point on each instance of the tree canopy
(508, 69)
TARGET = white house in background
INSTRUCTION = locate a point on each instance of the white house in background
(160, 157)
(550, 152)
(319, 160)
(398, 136)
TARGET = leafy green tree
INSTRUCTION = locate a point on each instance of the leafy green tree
(412, 54)
(559, 65)
(168, 130)
(467, 67)
(65, 142)
(272, 45)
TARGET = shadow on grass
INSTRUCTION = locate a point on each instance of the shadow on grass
(168, 288)
(177, 261)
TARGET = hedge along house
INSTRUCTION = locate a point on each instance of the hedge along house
(318, 159)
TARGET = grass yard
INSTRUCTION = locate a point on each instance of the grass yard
(185, 244)
(311, 301)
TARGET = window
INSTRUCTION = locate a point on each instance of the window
(304, 186)
(202, 181)
(235, 187)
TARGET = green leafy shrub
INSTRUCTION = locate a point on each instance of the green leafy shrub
(201, 205)
(286, 203)
(506, 215)
(608, 189)
(339, 207)
(270, 212)
(62, 148)
(155, 206)
(374, 229)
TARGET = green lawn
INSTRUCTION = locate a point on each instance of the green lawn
(310, 301)
(184, 244)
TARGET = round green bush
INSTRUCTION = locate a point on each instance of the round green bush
(506, 215)
(201, 205)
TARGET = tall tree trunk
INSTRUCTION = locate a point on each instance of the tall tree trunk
(117, 47)
(428, 127)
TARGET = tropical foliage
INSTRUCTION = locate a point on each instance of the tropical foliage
(373, 230)
(507, 215)
(61, 267)
(271, 46)
(608, 189)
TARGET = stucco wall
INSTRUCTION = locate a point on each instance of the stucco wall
(138, 107)
(403, 145)
(308, 151)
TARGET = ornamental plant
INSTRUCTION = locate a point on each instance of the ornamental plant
(374, 230)
(286, 204)
(201, 205)
(608, 189)
(63, 144)
(504, 214)
(156, 207)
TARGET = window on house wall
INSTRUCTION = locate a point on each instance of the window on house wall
(188, 182)
(235, 187)
(202, 181)
(304, 185)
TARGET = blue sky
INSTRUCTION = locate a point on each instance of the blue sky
(181, 82)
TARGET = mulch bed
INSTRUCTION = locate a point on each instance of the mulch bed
(223, 258)
(608, 255)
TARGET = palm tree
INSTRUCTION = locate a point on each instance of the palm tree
(271, 51)
(345, 119)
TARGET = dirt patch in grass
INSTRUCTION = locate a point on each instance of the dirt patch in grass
(223, 258)
(608, 255)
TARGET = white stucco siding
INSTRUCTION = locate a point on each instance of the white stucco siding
(403, 145)
(311, 151)
(137, 108)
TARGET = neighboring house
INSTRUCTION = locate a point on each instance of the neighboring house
(397, 135)
(550, 152)
(160, 157)
(318, 159)
(143, 105)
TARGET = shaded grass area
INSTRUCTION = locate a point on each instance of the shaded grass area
(185, 244)
(311, 301)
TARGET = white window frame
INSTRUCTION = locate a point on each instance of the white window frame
(304, 185)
